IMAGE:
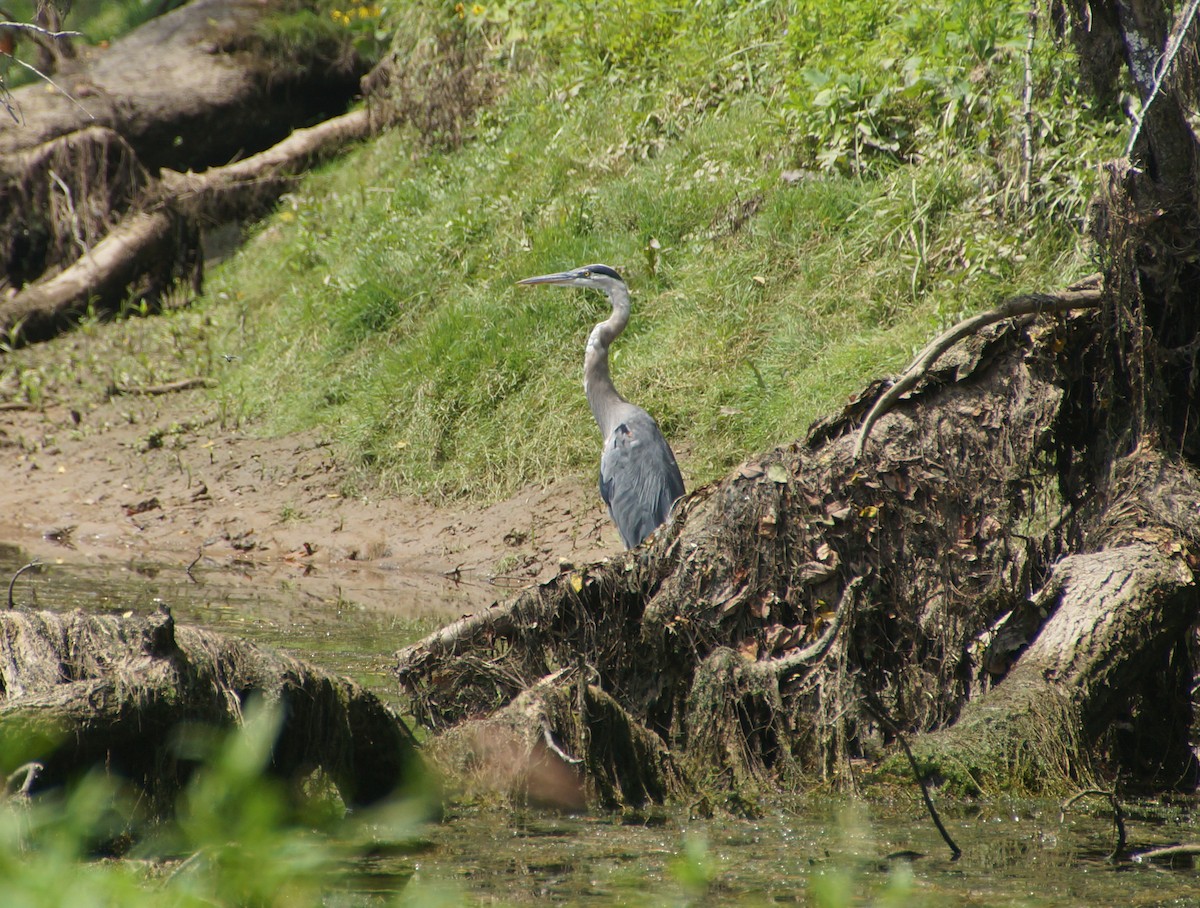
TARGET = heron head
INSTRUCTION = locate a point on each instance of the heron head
(600, 277)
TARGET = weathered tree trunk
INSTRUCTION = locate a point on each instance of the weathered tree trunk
(80, 691)
(193, 88)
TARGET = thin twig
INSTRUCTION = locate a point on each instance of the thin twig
(76, 232)
(33, 564)
(41, 75)
(1162, 70)
(1170, 851)
(195, 562)
(548, 737)
(44, 32)
(876, 709)
(1118, 814)
(1083, 296)
(1027, 110)
(184, 384)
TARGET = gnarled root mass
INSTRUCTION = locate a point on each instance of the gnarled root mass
(80, 691)
(964, 573)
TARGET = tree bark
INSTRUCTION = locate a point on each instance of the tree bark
(192, 88)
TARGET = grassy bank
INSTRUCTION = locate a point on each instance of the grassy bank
(799, 195)
(797, 199)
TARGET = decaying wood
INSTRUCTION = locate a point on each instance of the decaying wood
(526, 750)
(171, 387)
(106, 271)
(1024, 524)
(980, 612)
(685, 633)
(81, 691)
(231, 192)
(103, 273)
(91, 214)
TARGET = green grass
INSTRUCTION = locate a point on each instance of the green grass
(387, 283)
(842, 182)
(237, 835)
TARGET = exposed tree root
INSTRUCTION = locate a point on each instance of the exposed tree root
(81, 691)
(1118, 852)
(1085, 294)
(105, 272)
(525, 750)
(100, 198)
(91, 214)
(947, 575)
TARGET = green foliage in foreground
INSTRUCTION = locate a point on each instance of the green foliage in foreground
(241, 838)
(238, 839)
(799, 195)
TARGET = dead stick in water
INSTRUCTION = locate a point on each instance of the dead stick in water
(33, 564)
(876, 709)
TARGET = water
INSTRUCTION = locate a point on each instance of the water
(841, 853)
(822, 852)
(351, 628)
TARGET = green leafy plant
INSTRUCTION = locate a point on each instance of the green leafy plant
(239, 836)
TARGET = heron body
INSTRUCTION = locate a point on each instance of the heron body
(639, 479)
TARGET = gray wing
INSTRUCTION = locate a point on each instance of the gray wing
(639, 479)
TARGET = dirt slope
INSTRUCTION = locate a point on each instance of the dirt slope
(159, 479)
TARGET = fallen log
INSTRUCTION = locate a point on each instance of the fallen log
(89, 214)
(196, 119)
(102, 274)
(84, 691)
(189, 88)
(125, 258)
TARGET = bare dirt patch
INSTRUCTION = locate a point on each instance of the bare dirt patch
(159, 479)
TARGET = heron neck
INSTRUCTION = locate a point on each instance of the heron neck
(597, 382)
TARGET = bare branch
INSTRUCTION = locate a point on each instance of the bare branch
(45, 78)
(32, 565)
(548, 737)
(1085, 294)
(183, 384)
(37, 29)
(1118, 816)
(1169, 851)
(875, 707)
(1162, 70)
(1027, 109)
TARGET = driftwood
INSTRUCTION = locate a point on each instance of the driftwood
(90, 211)
(83, 691)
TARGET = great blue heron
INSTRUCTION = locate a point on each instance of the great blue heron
(639, 479)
